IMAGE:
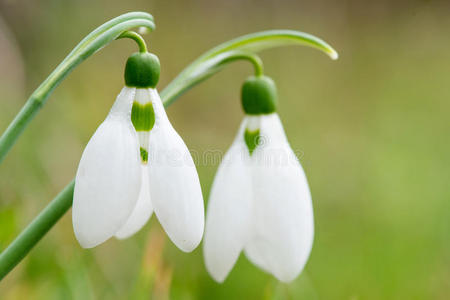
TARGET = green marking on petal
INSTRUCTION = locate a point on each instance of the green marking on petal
(251, 139)
(142, 116)
(144, 155)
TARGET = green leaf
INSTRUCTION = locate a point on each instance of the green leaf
(245, 46)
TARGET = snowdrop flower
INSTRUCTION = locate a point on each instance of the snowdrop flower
(134, 164)
(260, 201)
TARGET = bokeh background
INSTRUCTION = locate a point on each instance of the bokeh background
(373, 128)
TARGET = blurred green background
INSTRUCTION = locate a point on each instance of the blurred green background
(373, 128)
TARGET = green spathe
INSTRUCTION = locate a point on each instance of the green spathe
(259, 95)
(142, 70)
(142, 116)
(251, 139)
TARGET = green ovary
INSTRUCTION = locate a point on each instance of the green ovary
(142, 116)
(251, 139)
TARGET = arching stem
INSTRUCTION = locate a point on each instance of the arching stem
(29, 237)
(137, 38)
(254, 59)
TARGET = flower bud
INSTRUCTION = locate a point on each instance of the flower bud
(259, 95)
(142, 70)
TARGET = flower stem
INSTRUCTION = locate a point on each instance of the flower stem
(137, 38)
(29, 237)
(242, 55)
(208, 63)
(19, 123)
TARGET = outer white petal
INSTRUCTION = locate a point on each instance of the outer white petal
(108, 177)
(142, 211)
(283, 228)
(228, 213)
(174, 185)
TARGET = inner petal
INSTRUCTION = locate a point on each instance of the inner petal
(252, 132)
(143, 119)
(141, 212)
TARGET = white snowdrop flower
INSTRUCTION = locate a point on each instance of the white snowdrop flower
(124, 173)
(260, 201)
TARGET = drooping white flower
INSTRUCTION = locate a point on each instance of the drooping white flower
(260, 201)
(134, 164)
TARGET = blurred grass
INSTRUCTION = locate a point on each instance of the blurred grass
(373, 129)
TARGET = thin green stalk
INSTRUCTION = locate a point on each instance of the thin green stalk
(137, 38)
(29, 237)
(207, 69)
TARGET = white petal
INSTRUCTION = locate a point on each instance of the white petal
(283, 228)
(253, 123)
(108, 177)
(142, 211)
(228, 213)
(174, 185)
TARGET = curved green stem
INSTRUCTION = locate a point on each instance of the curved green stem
(258, 41)
(205, 66)
(239, 55)
(29, 237)
(137, 38)
(206, 70)
(250, 43)
(96, 40)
